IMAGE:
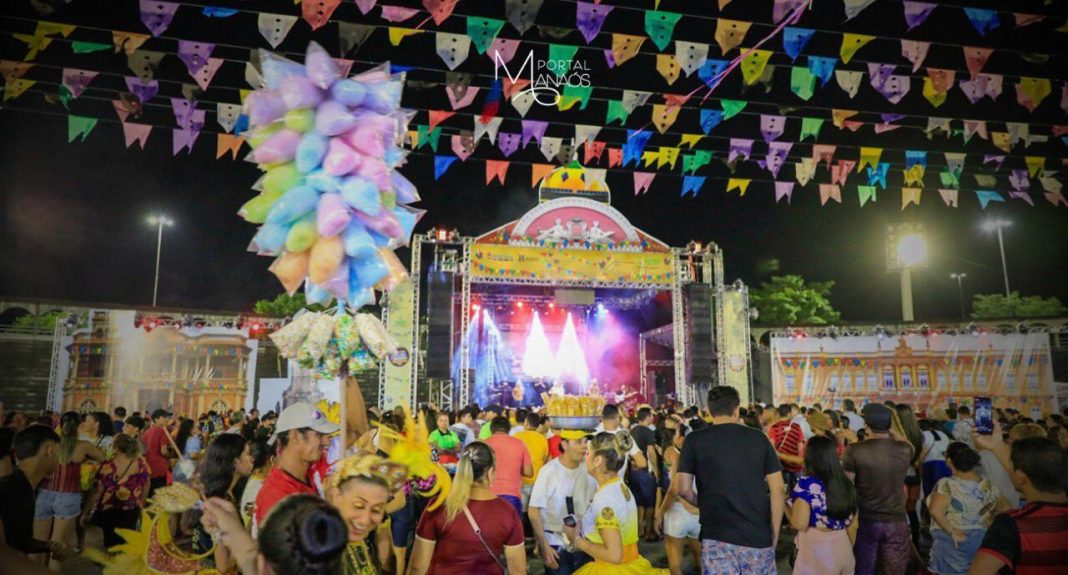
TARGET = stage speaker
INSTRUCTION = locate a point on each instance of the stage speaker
(439, 324)
(700, 332)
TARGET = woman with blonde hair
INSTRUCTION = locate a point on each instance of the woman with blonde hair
(609, 530)
(362, 488)
(469, 533)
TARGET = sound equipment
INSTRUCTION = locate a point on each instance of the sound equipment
(439, 324)
(700, 332)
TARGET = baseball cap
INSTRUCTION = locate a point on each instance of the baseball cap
(302, 415)
(160, 413)
(876, 416)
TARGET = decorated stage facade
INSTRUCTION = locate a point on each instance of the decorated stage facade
(570, 296)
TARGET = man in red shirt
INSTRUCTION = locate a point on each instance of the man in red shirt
(1032, 540)
(158, 450)
(512, 462)
(789, 442)
(301, 432)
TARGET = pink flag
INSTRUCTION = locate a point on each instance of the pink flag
(949, 196)
(830, 192)
(771, 127)
(365, 6)
(463, 146)
(205, 74)
(642, 181)
(396, 13)
(504, 48)
(458, 101)
(136, 133)
(77, 80)
(183, 139)
(976, 57)
(784, 190)
(823, 153)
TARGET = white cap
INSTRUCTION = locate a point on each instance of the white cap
(303, 416)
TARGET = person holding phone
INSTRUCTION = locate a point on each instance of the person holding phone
(562, 478)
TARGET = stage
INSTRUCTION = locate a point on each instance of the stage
(571, 296)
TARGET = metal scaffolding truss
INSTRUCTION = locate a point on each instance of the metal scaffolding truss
(465, 320)
(572, 283)
(683, 390)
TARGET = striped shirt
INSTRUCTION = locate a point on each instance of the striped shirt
(788, 438)
(1032, 540)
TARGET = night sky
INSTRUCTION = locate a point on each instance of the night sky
(72, 216)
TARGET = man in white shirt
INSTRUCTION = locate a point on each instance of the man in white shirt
(856, 422)
(799, 419)
(561, 478)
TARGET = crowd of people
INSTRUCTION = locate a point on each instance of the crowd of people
(481, 490)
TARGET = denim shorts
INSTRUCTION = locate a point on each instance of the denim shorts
(58, 504)
(643, 484)
(948, 558)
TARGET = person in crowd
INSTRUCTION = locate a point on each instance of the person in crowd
(237, 423)
(466, 426)
(119, 492)
(488, 415)
(59, 499)
(185, 468)
(644, 479)
(908, 427)
(993, 469)
(965, 425)
(933, 457)
(843, 435)
(300, 434)
(118, 419)
(304, 534)
(225, 462)
(856, 422)
(98, 429)
(36, 448)
(609, 529)
(7, 460)
(134, 426)
(878, 466)
(676, 518)
(15, 420)
(740, 490)
(962, 507)
(538, 448)
(822, 508)
(610, 422)
(474, 528)
(362, 488)
(788, 439)
(158, 450)
(445, 439)
(262, 463)
(518, 418)
(512, 463)
(1032, 540)
(561, 478)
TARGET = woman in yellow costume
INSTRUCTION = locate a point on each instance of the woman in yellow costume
(609, 530)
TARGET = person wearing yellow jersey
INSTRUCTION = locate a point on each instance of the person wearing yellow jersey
(609, 530)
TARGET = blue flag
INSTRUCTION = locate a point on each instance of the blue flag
(822, 68)
(441, 164)
(794, 40)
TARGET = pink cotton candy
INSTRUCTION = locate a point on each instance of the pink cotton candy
(264, 107)
(340, 158)
(279, 147)
(338, 284)
(332, 119)
(299, 92)
(371, 135)
(321, 69)
(332, 216)
(384, 223)
(375, 170)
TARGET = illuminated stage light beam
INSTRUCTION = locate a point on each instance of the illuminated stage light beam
(570, 358)
(538, 358)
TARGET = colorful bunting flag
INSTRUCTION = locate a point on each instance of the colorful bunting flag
(830, 192)
(910, 196)
(740, 184)
(917, 12)
(987, 196)
(522, 13)
(441, 164)
(496, 170)
(983, 20)
(802, 82)
(784, 190)
(851, 43)
(730, 34)
(589, 17)
(453, 49)
(794, 40)
(866, 194)
(692, 185)
(625, 47)
(660, 26)
(642, 181)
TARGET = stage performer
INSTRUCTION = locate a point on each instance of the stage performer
(609, 530)
(557, 389)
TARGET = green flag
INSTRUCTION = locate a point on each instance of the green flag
(560, 56)
(810, 127)
(802, 82)
(482, 31)
(660, 26)
(574, 94)
(731, 108)
(80, 47)
(866, 193)
(78, 127)
(616, 111)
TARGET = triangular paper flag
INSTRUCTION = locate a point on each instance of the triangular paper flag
(784, 190)
(585, 133)
(522, 102)
(795, 39)
(625, 47)
(869, 157)
(80, 47)
(668, 67)
(866, 194)
(690, 55)
(810, 127)
(740, 184)
(560, 56)
(226, 115)
(1031, 91)
(949, 196)
(910, 196)
(488, 128)
(496, 170)
(830, 192)
(589, 17)
(79, 127)
(976, 57)
(452, 48)
(317, 12)
(194, 54)
(441, 165)
(854, 7)
(351, 35)
(143, 63)
(822, 67)
(136, 133)
(642, 181)
(522, 13)
(804, 170)
(983, 20)
(987, 196)
(594, 150)
(228, 143)
(917, 12)
(156, 15)
(438, 116)
(838, 117)
(851, 43)
(753, 65)
(538, 172)
(849, 81)
(482, 31)
(688, 140)
(76, 81)
(501, 51)
(771, 127)
(275, 27)
(16, 87)
(397, 35)
(692, 185)
(915, 51)
(396, 13)
(731, 108)
(1035, 165)
(128, 41)
(660, 26)
(730, 34)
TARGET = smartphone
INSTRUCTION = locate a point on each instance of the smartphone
(569, 519)
(984, 416)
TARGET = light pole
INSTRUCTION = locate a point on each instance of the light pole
(906, 248)
(960, 290)
(158, 220)
(995, 225)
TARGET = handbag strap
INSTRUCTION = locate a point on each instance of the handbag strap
(478, 533)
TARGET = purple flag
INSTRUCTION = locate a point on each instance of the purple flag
(194, 54)
(784, 190)
(891, 118)
(988, 158)
(183, 139)
(776, 158)
(186, 115)
(77, 80)
(156, 15)
(771, 127)
(783, 8)
(508, 142)
(1018, 180)
(740, 147)
(144, 91)
(917, 12)
(590, 17)
(879, 73)
(533, 129)
(1023, 196)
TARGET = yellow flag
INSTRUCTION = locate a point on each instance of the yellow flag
(730, 33)
(625, 47)
(667, 155)
(1002, 140)
(396, 35)
(753, 65)
(15, 87)
(740, 184)
(1035, 165)
(664, 116)
(668, 67)
(934, 97)
(910, 196)
(869, 157)
(689, 140)
(838, 117)
(1036, 89)
(49, 28)
(914, 175)
(649, 156)
(851, 43)
(243, 93)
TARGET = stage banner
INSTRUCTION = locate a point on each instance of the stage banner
(399, 324)
(143, 365)
(1013, 369)
(502, 262)
(736, 341)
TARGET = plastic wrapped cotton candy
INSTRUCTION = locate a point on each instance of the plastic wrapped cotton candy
(397, 272)
(321, 69)
(300, 92)
(332, 215)
(290, 268)
(374, 335)
(326, 255)
(290, 336)
(310, 153)
(279, 147)
(361, 194)
(333, 118)
(293, 204)
(349, 93)
(340, 158)
(322, 329)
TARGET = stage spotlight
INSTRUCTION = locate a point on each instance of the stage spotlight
(519, 304)
(476, 307)
(552, 305)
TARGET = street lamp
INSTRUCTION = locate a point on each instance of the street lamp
(158, 220)
(995, 225)
(906, 249)
(960, 290)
